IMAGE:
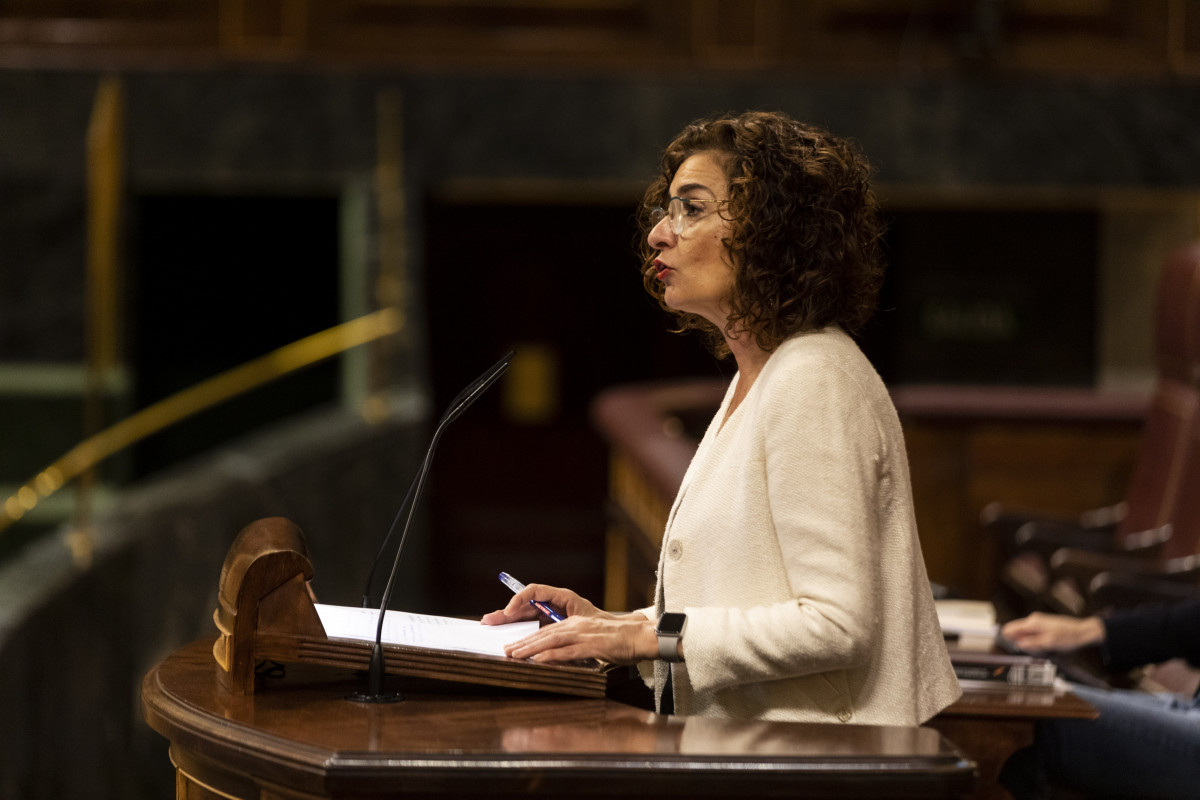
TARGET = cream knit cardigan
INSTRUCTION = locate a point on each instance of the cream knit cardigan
(792, 548)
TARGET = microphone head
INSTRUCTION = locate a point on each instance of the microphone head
(469, 395)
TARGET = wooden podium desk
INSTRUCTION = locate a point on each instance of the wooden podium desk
(298, 737)
(989, 725)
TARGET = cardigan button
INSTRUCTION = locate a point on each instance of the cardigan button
(675, 550)
(844, 715)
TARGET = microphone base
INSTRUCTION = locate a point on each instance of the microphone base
(378, 697)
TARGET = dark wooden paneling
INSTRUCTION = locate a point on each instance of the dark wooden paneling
(81, 33)
(1080, 36)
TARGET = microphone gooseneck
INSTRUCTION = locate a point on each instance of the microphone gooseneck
(458, 405)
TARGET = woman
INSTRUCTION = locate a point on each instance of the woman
(791, 549)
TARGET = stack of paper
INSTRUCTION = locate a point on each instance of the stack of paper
(968, 624)
(422, 630)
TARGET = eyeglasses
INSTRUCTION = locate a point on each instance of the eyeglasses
(683, 212)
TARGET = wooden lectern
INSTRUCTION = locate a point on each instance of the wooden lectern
(266, 612)
(298, 737)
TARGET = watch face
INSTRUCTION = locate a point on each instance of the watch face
(671, 624)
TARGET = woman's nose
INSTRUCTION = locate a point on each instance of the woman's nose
(661, 235)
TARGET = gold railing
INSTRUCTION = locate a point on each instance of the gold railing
(225, 386)
(105, 156)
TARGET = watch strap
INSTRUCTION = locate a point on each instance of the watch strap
(668, 647)
(670, 640)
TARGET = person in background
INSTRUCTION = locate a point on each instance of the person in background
(1143, 745)
(791, 584)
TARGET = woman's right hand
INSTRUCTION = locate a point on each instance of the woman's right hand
(565, 601)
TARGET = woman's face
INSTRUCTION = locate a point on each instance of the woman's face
(693, 264)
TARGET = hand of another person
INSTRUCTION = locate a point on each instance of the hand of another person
(1041, 633)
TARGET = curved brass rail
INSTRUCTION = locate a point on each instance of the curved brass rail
(204, 395)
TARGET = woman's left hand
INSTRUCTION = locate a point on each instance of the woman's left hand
(624, 639)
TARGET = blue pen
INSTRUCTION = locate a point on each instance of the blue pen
(517, 586)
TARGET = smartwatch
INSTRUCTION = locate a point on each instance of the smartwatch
(670, 635)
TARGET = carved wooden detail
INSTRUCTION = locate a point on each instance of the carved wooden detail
(263, 588)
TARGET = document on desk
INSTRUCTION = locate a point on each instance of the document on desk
(422, 630)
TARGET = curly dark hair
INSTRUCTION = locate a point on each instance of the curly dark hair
(805, 226)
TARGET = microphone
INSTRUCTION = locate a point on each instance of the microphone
(458, 405)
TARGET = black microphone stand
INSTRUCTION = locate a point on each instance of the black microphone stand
(376, 671)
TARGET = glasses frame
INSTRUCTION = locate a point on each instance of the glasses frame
(674, 212)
